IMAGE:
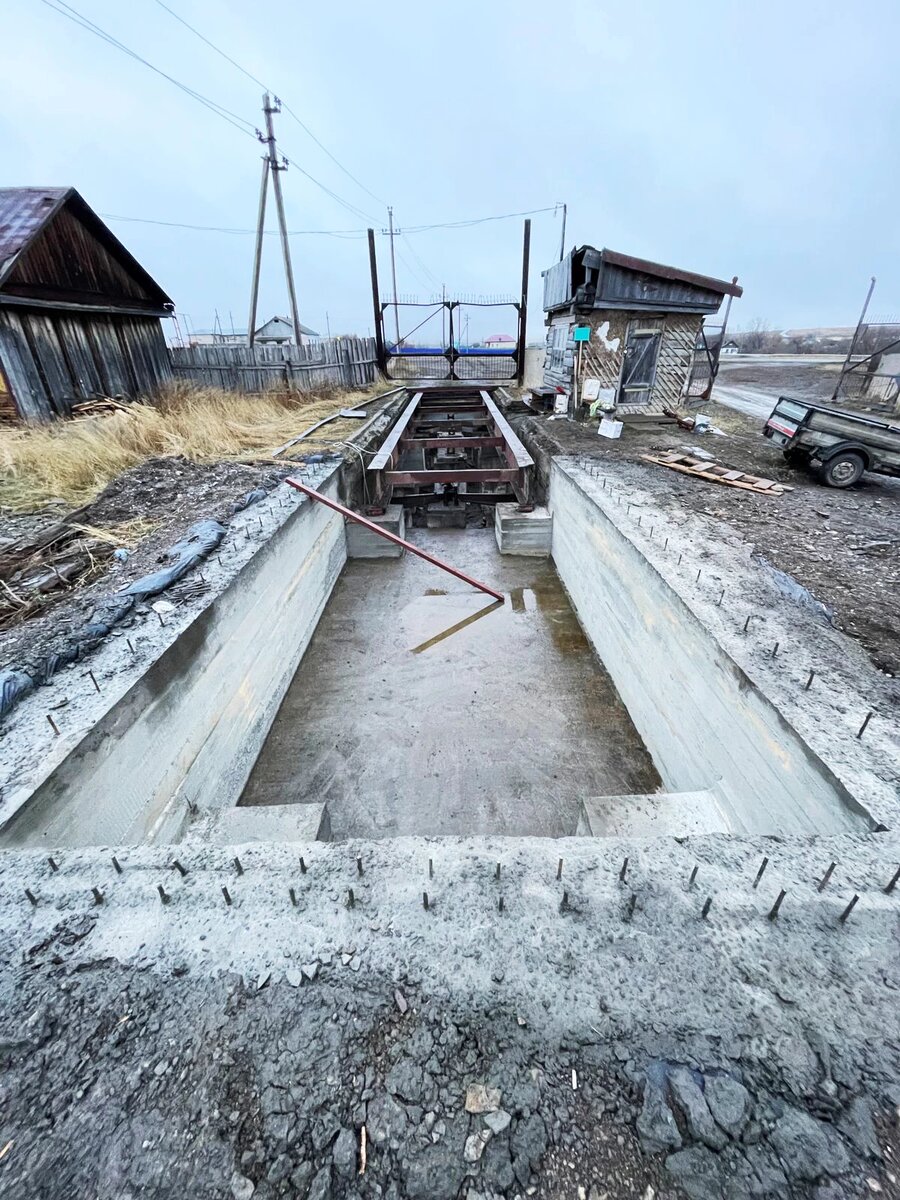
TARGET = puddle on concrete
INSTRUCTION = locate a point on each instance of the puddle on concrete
(429, 709)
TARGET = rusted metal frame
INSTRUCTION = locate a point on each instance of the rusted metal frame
(514, 452)
(391, 537)
(451, 443)
(389, 446)
(424, 499)
(467, 475)
(379, 321)
(523, 309)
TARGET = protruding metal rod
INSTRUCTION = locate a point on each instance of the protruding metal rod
(893, 883)
(693, 875)
(302, 865)
(564, 903)
(351, 899)
(97, 894)
(808, 683)
(163, 894)
(117, 865)
(559, 867)
(849, 909)
(707, 905)
(862, 728)
(31, 897)
(497, 872)
(227, 895)
(182, 871)
(53, 864)
(760, 872)
(391, 537)
(775, 650)
(430, 869)
(823, 882)
(773, 911)
(500, 904)
(93, 679)
(425, 901)
(624, 871)
(359, 866)
(293, 896)
(237, 865)
(53, 725)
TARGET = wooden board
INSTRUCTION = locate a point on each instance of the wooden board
(688, 465)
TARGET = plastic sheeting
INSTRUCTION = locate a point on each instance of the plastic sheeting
(201, 539)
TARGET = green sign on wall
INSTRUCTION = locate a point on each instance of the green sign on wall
(582, 333)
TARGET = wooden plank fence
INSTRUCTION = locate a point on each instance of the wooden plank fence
(342, 362)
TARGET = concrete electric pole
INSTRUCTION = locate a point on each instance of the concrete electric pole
(273, 166)
(394, 272)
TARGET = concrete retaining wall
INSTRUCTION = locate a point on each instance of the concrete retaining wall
(188, 731)
(704, 721)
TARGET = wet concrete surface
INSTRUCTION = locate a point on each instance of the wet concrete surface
(423, 707)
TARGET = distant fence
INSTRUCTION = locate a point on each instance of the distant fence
(342, 362)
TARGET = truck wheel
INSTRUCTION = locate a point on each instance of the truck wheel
(844, 469)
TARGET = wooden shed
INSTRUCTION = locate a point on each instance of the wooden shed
(79, 316)
(623, 330)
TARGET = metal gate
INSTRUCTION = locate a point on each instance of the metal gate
(440, 350)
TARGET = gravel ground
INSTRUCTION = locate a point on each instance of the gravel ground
(586, 1048)
(842, 545)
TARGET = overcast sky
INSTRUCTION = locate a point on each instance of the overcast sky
(725, 137)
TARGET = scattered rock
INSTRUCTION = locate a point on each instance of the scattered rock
(689, 1099)
(482, 1099)
(242, 1188)
(400, 1001)
(386, 1121)
(310, 970)
(497, 1121)
(808, 1148)
(407, 1080)
(344, 1153)
(856, 1124)
(527, 1146)
(656, 1124)
(320, 1188)
(435, 1173)
(475, 1144)
(729, 1102)
(703, 1175)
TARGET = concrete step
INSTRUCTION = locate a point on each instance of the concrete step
(266, 823)
(661, 814)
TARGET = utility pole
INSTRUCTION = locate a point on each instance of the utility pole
(562, 240)
(327, 326)
(394, 272)
(271, 164)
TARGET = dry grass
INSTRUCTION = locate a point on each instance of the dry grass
(73, 461)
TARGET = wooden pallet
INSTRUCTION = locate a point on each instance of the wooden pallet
(687, 464)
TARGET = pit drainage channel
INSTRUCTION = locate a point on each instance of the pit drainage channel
(181, 741)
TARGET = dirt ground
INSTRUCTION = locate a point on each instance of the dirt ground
(842, 545)
(172, 493)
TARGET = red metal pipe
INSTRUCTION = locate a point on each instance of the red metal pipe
(391, 537)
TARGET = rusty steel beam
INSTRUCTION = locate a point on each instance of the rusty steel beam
(463, 475)
(392, 537)
(450, 443)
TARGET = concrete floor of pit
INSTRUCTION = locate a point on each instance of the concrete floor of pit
(423, 707)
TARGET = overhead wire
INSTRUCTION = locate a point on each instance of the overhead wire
(285, 106)
(78, 18)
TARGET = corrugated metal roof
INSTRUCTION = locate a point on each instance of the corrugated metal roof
(23, 211)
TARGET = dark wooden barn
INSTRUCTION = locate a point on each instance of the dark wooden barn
(623, 331)
(79, 316)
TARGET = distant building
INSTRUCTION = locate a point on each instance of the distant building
(625, 327)
(500, 341)
(79, 316)
(730, 347)
(279, 331)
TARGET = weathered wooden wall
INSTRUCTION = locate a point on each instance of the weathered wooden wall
(602, 356)
(52, 359)
(343, 362)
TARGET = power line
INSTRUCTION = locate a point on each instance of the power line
(72, 14)
(349, 233)
(287, 108)
(412, 251)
